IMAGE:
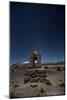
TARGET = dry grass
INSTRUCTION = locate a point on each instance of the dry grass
(61, 83)
(14, 83)
(40, 92)
(48, 82)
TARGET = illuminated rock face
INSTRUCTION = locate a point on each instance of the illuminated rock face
(35, 59)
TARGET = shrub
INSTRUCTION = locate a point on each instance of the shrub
(42, 90)
(14, 83)
(58, 69)
(61, 83)
(38, 94)
(48, 82)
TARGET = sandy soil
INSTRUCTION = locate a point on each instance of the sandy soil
(25, 90)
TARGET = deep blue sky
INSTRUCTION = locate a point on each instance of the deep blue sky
(36, 26)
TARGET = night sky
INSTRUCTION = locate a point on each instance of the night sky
(37, 27)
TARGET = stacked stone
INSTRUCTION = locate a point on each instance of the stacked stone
(35, 76)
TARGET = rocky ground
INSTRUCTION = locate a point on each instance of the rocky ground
(53, 85)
